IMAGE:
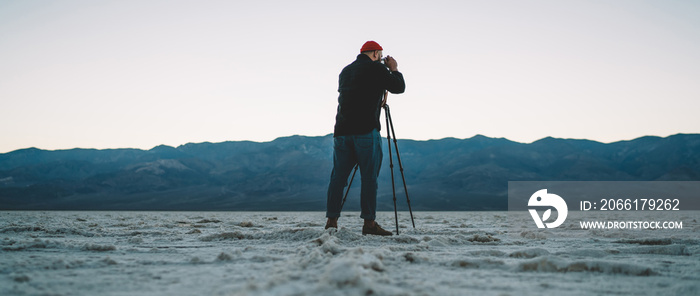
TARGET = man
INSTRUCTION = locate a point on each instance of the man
(356, 139)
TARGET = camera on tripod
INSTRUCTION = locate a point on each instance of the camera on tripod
(383, 61)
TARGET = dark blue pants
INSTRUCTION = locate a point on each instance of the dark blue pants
(365, 150)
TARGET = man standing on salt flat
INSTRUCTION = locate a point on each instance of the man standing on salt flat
(356, 140)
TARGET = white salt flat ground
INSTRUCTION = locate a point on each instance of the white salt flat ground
(289, 253)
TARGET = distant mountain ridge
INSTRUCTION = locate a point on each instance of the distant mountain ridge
(291, 173)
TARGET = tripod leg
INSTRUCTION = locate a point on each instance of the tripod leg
(398, 157)
(350, 184)
(391, 168)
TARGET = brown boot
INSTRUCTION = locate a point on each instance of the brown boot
(373, 228)
(332, 222)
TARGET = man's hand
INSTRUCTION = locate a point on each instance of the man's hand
(392, 64)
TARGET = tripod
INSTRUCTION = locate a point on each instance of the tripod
(389, 127)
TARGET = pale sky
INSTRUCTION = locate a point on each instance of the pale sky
(137, 74)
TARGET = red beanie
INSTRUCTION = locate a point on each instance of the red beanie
(370, 46)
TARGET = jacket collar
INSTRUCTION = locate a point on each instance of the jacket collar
(363, 56)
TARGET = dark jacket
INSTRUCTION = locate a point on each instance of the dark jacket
(361, 86)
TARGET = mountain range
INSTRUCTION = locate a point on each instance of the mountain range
(292, 173)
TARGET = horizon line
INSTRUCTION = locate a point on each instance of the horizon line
(330, 134)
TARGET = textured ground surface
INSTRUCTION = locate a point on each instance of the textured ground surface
(286, 253)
